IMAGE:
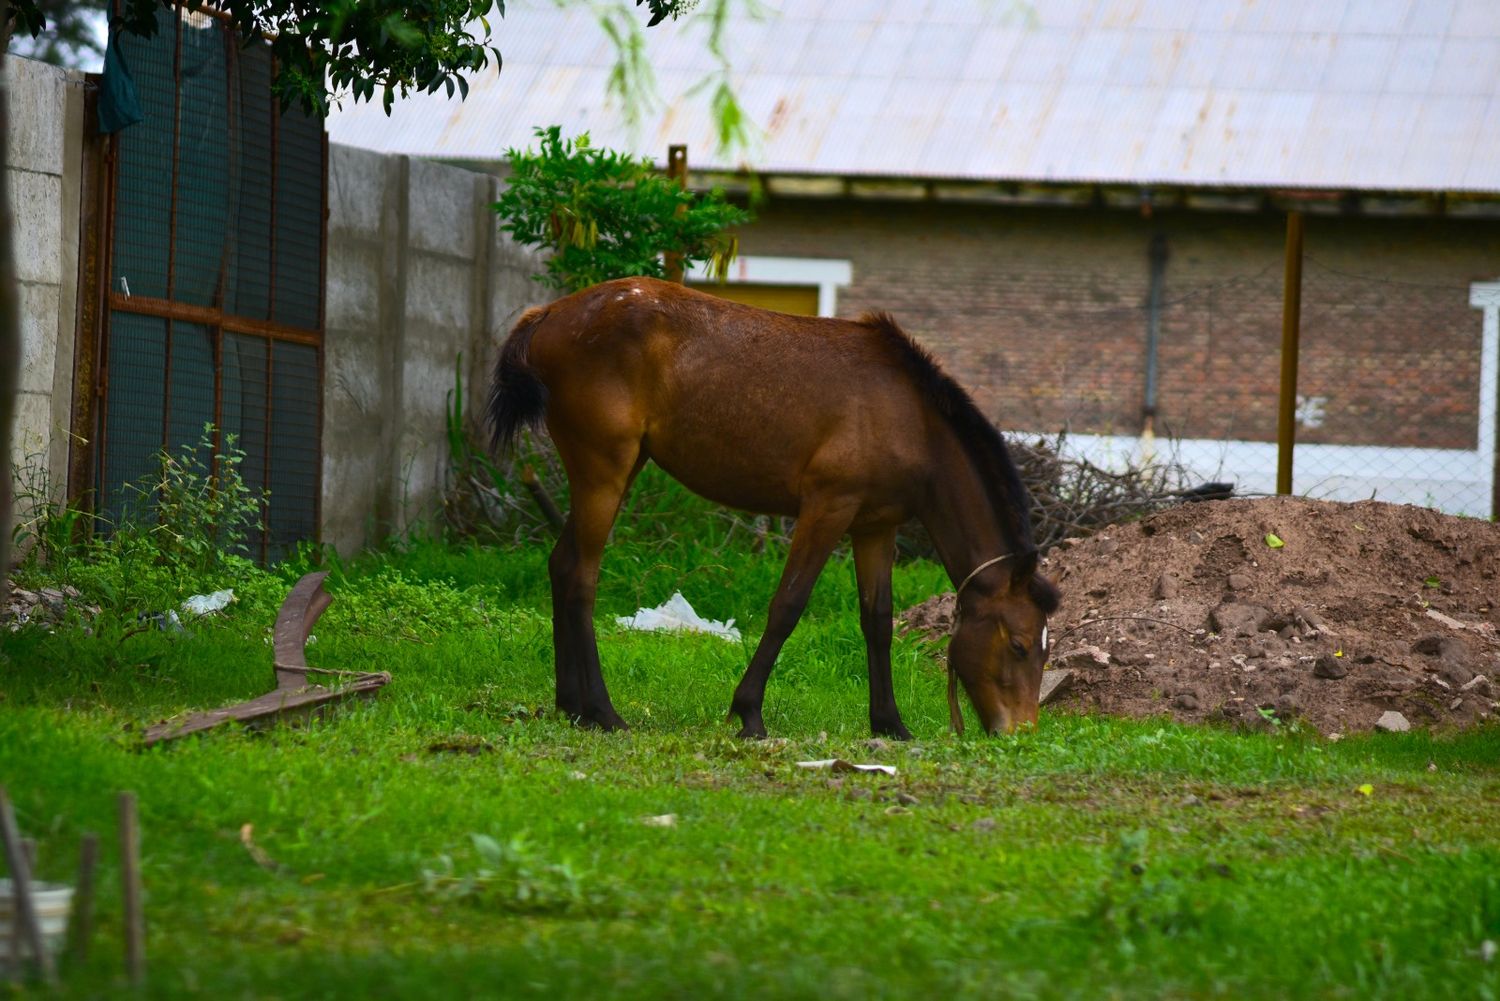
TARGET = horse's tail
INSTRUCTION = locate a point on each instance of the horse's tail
(517, 397)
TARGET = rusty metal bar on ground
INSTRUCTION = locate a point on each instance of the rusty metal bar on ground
(293, 693)
(1291, 331)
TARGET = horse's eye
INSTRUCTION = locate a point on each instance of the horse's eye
(1018, 648)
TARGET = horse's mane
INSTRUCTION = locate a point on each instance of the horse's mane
(984, 444)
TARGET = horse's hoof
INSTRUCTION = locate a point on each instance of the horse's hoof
(895, 731)
(608, 724)
(748, 732)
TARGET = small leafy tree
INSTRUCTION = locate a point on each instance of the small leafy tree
(608, 215)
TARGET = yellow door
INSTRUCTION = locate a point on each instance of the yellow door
(798, 299)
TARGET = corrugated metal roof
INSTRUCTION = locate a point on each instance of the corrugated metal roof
(1378, 94)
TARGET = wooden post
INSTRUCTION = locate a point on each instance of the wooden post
(20, 890)
(1291, 331)
(130, 876)
(17, 931)
(677, 169)
(81, 925)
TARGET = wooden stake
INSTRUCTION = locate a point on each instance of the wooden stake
(130, 874)
(81, 924)
(20, 889)
(17, 938)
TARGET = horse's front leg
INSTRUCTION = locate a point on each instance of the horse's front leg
(812, 543)
(874, 552)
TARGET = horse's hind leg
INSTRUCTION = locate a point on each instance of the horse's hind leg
(597, 482)
(874, 552)
(812, 543)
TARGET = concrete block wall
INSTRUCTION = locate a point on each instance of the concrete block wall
(420, 278)
(44, 158)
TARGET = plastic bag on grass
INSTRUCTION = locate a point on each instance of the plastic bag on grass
(676, 615)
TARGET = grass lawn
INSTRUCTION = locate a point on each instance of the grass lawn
(444, 841)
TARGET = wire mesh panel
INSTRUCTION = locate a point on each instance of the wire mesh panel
(299, 221)
(202, 210)
(245, 412)
(250, 261)
(142, 237)
(294, 444)
(137, 363)
(1391, 378)
(190, 384)
(215, 295)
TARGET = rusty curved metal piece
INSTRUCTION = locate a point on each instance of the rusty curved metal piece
(293, 693)
(294, 623)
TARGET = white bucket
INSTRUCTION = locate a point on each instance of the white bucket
(53, 901)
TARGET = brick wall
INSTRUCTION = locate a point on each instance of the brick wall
(1041, 312)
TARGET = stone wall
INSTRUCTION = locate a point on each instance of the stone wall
(43, 158)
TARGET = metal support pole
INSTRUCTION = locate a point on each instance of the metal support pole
(1291, 331)
(676, 169)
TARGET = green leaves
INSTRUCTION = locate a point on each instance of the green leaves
(605, 214)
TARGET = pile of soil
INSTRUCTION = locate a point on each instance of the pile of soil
(1365, 614)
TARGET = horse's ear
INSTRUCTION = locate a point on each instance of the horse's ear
(1022, 568)
(1044, 593)
(1038, 588)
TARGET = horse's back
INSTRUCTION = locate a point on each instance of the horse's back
(742, 404)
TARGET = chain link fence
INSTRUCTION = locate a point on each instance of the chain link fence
(1395, 393)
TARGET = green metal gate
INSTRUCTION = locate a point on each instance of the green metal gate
(214, 238)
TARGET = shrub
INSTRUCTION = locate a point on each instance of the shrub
(608, 215)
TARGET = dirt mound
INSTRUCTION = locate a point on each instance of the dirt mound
(1281, 608)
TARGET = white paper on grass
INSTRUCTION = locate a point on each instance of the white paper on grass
(840, 765)
(202, 604)
(675, 614)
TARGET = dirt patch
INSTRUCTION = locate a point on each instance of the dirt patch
(1362, 610)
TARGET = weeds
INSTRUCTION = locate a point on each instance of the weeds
(195, 511)
(185, 526)
(49, 533)
(512, 876)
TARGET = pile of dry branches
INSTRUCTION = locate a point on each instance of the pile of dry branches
(1072, 496)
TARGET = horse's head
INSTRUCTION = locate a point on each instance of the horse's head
(1000, 644)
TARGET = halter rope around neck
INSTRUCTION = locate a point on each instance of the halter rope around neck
(955, 715)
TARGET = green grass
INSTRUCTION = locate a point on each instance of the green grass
(1091, 857)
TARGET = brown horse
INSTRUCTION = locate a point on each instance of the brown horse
(849, 426)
